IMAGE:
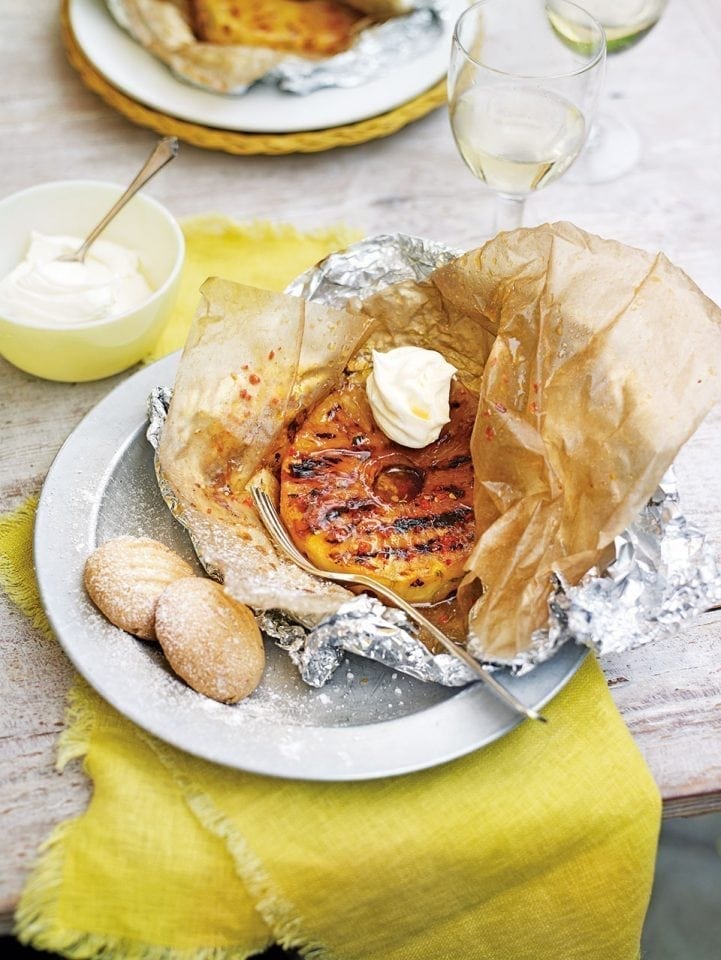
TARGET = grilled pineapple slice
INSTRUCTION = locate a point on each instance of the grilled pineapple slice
(354, 501)
(310, 27)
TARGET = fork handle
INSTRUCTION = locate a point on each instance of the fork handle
(508, 698)
(272, 523)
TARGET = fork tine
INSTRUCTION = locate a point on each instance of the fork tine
(269, 516)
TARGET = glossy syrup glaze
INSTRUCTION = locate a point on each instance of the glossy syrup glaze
(355, 501)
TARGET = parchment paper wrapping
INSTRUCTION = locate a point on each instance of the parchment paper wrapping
(252, 361)
(163, 28)
(594, 363)
(605, 361)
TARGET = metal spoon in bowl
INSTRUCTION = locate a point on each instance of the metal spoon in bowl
(163, 153)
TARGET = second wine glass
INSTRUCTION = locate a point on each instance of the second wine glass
(614, 146)
(520, 99)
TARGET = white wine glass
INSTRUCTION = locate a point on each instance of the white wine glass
(614, 145)
(520, 97)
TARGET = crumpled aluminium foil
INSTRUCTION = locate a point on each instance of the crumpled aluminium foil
(368, 266)
(365, 627)
(664, 572)
(377, 50)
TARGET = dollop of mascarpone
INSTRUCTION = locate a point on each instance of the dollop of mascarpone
(44, 289)
(408, 390)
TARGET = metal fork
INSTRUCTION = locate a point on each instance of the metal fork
(274, 525)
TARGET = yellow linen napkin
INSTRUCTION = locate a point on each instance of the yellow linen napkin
(540, 847)
(259, 254)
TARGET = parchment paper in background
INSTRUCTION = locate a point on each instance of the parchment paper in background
(163, 28)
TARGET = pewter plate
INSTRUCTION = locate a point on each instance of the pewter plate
(367, 722)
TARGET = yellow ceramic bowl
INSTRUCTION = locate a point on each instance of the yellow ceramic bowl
(98, 349)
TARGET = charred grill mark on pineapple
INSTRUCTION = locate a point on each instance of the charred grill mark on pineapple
(353, 506)
(355, 500)
(449, 518)
(456, 462)
(310, 466)
(316, 464)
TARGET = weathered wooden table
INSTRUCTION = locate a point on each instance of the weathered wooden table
(51, 127)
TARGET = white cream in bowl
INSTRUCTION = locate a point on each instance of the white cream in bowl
(88, 331)
(42, 288)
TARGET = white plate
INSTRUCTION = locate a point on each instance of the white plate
(141, 76)
(366, 722)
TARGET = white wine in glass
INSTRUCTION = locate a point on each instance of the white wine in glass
(517, 139)
(614, 146)
(520, 96)
(625, 21)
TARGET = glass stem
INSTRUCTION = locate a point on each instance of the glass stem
(509, 212)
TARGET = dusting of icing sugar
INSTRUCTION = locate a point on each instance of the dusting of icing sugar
(133, 674)
(126, 576)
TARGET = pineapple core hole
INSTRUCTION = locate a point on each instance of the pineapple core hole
(399, 483)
